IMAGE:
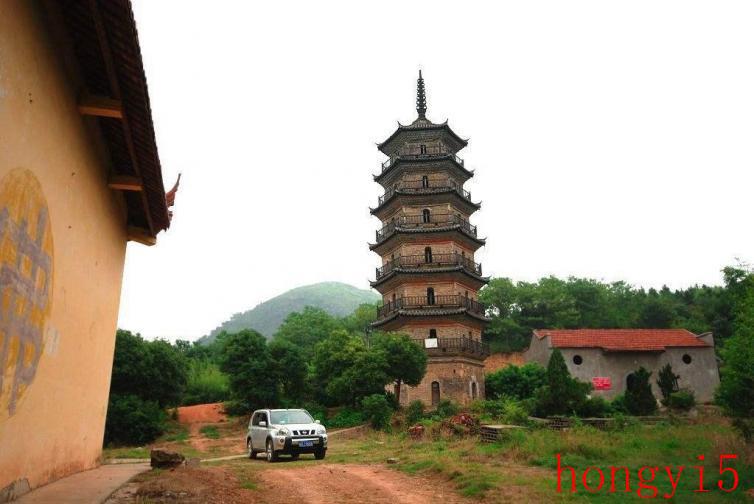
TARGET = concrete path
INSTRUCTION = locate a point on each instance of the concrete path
(90, 487)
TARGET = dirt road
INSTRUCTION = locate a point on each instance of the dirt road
(327, 483)
(316, 484)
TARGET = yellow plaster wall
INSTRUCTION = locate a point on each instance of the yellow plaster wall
(58, 423)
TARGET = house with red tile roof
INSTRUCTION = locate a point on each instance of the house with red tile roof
(606, 358)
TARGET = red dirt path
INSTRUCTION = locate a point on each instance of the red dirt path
(202, 413)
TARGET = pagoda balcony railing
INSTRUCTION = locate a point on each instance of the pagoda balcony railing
(453, 345)
(423, 222)
(435, 302)
(414, 154)
(420, 187)
(429, 261)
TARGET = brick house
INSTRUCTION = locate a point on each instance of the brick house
(607, 357)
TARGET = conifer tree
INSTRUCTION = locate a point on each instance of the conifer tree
(639, 397)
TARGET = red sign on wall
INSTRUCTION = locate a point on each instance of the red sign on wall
(602, 383)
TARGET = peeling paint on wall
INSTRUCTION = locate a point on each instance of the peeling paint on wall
(26, 273)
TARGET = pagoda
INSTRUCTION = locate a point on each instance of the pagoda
(429, 279)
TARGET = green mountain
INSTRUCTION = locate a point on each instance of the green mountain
(335, 298)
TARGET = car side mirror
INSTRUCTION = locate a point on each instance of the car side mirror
(317, 421)
(263, 424)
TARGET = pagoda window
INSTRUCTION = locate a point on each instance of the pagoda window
(423, 149)
(425, 215)
(433, 333)
(427, 254)
(430, 295)
(425, 181)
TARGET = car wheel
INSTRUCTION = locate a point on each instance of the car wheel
(319, 454)
(250, 449)
(271, 455)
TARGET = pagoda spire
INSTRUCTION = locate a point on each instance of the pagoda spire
(421, 97)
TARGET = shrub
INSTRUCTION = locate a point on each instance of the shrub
(681, 400)
(133, 421)
(639, 397)
(377, 411)
(317, 411)
(237, 408)
(446, 408)
(618, 405)
(414, 412)
(392, 401)
(514, 412)
(562, 395)
(519, 382)
(668, 382)
(595, 407)
(206, 384)
(347, 417)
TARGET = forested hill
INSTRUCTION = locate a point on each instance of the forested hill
(335, 298)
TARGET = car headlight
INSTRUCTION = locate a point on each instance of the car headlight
(321, 431)
(284, 432)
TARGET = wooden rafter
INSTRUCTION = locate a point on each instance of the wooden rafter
(115, 89)
(125, 183)
(100, 106)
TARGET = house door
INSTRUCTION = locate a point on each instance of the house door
(435, 393)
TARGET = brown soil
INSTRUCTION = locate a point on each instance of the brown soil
(316, 484)
(202, 413)
(326, 483)
(211, 485)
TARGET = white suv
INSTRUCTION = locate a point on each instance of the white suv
(285, 431)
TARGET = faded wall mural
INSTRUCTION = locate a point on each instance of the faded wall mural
(26, 272)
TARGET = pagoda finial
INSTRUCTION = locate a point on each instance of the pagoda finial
(421, 97)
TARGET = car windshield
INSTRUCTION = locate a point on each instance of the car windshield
(290, 417)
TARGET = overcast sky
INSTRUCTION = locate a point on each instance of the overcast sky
(611, 140)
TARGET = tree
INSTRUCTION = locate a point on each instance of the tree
(151, 370)
(406, 361)
(348, 370)
(291, 369)
(251, 370)
(639, 399)
(307, 328)
(563, 394)
(736, 391)
(516, 382)
(668, 382)
(360, 320)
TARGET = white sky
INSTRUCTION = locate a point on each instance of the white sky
(612, 140)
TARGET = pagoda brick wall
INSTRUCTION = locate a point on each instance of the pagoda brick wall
(455, 379)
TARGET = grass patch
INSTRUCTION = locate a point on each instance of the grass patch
(210, 431)
(127, 452)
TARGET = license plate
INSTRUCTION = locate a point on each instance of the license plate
(306, 444)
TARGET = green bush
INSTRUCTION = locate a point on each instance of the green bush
(347, 417)
(667, 380)
(682, 400)
(446, 408)
(594, 407)
(618, 405)
(414, 412)
(237, 408)
(514, 412)
(206, 384)
(392, 401)
(377, 411)
(317, 411)
(639, 398)
(518, 382)
(133, 421)
(562, 395)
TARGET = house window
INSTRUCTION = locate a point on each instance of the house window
(425, 181)
(425, 215)
(433, 333)
(430, 296)
(577, 360)
(686, 359)
(473, 390)
(427, 254)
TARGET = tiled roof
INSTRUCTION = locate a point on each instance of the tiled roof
(621, 340)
